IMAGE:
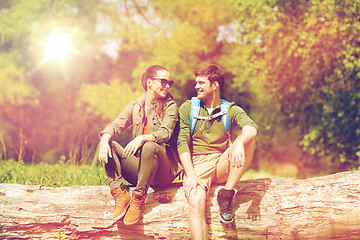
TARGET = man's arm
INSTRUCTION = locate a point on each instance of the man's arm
(247, 133)
(185, 159)
(184, 140)
(192, 181)
(237, 153)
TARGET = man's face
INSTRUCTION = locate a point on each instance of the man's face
(203, 87)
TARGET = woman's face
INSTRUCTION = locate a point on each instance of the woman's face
(160, 84)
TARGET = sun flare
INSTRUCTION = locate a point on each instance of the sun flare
(58, 46)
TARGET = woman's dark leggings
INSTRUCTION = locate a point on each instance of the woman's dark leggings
(152, 168)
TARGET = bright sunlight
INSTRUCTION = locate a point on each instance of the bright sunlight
(58, 46)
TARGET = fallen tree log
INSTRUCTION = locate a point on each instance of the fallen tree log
(278, 208)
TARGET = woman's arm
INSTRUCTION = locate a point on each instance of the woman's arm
(164, 133)
(123, 121)
(136, 143)
(120, 123)
(104, 150)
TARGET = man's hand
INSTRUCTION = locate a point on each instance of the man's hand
(104, 150)
(237, 155)
(191, 183)
(133, 146)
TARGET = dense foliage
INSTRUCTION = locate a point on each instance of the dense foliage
(293, 65)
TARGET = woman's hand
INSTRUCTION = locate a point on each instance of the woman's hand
(134, 145)
(105, 149)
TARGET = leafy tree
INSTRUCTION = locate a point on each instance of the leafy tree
(293, 65)
(37, 100)
(106, 100)
(310, 61)
(16, 96)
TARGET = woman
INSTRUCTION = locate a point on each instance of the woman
(144, 160)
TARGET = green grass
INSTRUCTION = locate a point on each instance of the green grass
(58, 175)
(66, 174)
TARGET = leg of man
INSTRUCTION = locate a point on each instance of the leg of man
(196, 215)
(232, 175)
(225, 171)
(236, 173)
(205, 168)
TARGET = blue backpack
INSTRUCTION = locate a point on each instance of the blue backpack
(195, 109)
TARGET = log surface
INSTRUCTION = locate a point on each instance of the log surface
(272, 208)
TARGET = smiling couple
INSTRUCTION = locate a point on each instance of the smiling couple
(207, 154)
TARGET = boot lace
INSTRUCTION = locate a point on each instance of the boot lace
(137, 204)
(225, 203)
(117, 197)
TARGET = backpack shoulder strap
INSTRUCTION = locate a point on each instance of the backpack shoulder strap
(195, 110)
(225, 117)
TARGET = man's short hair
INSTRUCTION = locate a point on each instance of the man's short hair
(211, 72)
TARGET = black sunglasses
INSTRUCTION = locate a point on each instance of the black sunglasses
(164, 81)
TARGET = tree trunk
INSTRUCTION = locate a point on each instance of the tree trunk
(316, 208)
(22, 144)
(2, 141)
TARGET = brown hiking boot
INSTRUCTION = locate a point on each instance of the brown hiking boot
(137, 206)
(122, 202)
(224, 199)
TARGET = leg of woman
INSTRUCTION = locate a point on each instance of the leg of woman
(147, 167)
(164, 175)
(119, 166)
(154, 169)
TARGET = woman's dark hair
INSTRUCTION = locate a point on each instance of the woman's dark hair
(213, 73)
(150, 73)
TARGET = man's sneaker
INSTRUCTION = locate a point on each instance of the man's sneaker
(224, 200)
(137, 206)
(122, 202)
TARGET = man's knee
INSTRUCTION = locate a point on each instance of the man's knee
(197, 202)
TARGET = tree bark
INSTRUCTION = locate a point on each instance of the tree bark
(2, 141)
(278, 208)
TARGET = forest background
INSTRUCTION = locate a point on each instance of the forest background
(292, 65)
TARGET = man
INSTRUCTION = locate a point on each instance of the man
(205, 152)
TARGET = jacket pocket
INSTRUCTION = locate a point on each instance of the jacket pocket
(156, 123)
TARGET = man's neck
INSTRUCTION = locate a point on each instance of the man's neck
(212, 102)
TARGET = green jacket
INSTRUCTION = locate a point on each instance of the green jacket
(209, 136)
(134, 114)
